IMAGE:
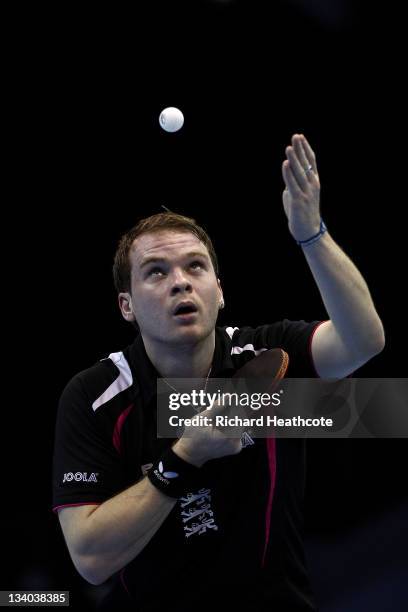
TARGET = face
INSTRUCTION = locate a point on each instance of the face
(175, 295)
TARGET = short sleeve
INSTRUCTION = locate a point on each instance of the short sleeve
(86, 466)
(294, 337)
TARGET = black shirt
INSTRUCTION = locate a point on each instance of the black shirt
(238, 537)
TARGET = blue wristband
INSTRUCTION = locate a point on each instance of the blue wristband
(313, 239)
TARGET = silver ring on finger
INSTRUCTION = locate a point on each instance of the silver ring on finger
(309, 169)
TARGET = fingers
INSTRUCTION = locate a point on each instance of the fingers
(296, 168)
(311, 158)
(300, 152)
(302, 163)
(290, 180)
(228, 411)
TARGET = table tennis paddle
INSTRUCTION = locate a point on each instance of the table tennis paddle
(266, 370)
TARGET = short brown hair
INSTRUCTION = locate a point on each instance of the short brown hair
(155, 223)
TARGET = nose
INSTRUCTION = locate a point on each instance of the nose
(180, 283)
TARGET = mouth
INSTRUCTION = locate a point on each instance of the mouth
(185, 311)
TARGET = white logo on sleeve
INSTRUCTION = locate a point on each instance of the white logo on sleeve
(80, 477)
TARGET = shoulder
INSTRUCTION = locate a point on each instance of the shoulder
(99, 384)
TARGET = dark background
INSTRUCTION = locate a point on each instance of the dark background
(87, 159)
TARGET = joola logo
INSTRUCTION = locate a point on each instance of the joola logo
(81, 477)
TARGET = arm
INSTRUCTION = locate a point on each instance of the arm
(354, 333)
(103, 539)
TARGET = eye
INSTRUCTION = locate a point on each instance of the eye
(156, 271)
(196, 265)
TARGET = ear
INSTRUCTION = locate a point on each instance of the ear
(125, 305)
(221, 295)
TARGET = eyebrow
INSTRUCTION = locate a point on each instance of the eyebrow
(150, 260)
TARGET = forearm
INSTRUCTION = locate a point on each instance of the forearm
(345, 295)
(118, 530)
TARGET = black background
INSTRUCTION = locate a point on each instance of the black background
(87, 158)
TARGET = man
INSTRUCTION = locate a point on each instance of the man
(231, 534)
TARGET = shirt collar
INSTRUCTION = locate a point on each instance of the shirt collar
(146, 374)
(223, 366)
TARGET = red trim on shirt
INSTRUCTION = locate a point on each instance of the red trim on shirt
(80, 504)
(122, 579)
(118, 428)
(271, 449)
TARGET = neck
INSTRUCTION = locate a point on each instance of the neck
(184, 361)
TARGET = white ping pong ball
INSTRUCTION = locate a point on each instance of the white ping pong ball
(171, 119)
